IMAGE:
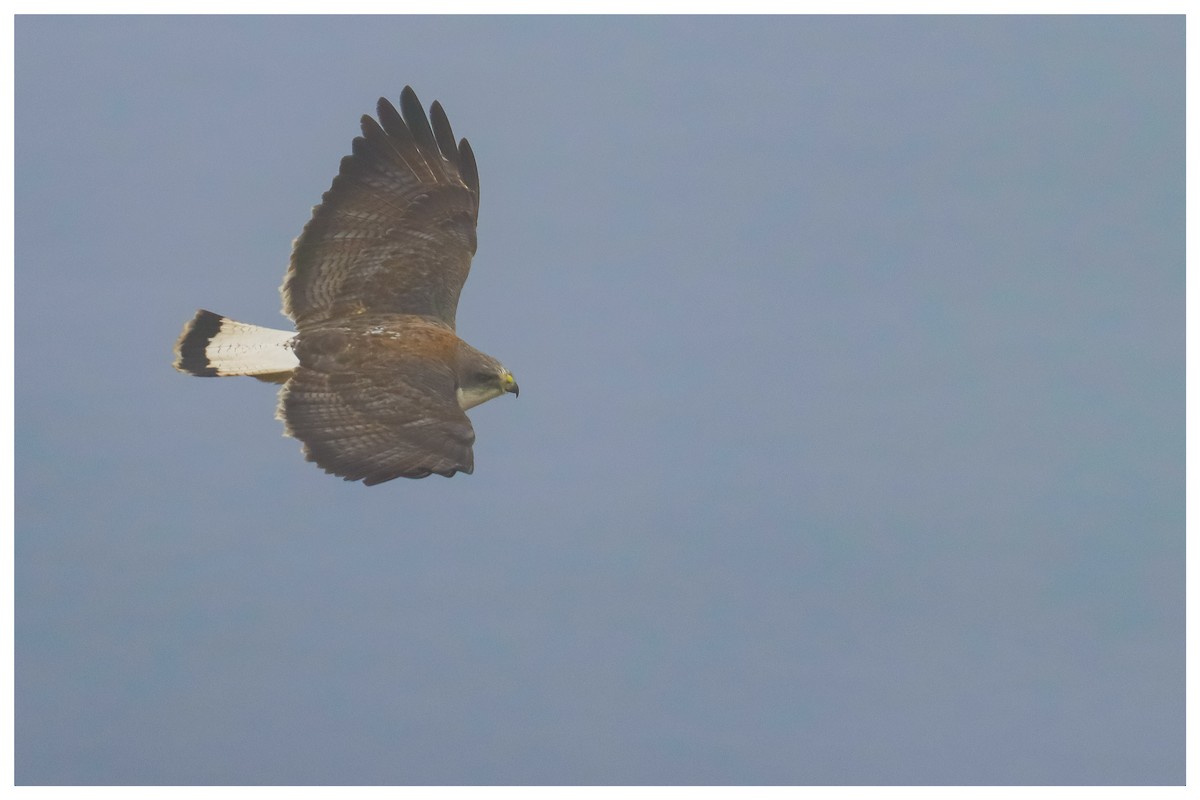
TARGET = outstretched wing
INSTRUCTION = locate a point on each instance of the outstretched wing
(396, 230)
(375, 407)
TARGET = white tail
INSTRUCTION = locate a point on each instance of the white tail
(212, 345)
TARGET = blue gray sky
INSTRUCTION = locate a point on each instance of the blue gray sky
(850, 441)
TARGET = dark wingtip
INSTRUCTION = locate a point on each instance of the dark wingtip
(416, 120)
(375, 480)
(468, 169)
(443, 132)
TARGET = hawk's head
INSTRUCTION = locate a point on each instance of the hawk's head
(481, 377)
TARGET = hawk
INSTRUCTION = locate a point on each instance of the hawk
(375, 379)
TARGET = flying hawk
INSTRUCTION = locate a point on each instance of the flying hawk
(375, 380)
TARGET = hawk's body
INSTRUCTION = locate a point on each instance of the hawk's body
(375, 378)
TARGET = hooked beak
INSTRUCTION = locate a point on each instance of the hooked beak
(510, 385)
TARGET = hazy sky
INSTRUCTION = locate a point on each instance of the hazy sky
(850, 440)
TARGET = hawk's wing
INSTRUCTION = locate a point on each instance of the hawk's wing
(396, 230)
(374, 407)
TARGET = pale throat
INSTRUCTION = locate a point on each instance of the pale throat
(471, 396)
